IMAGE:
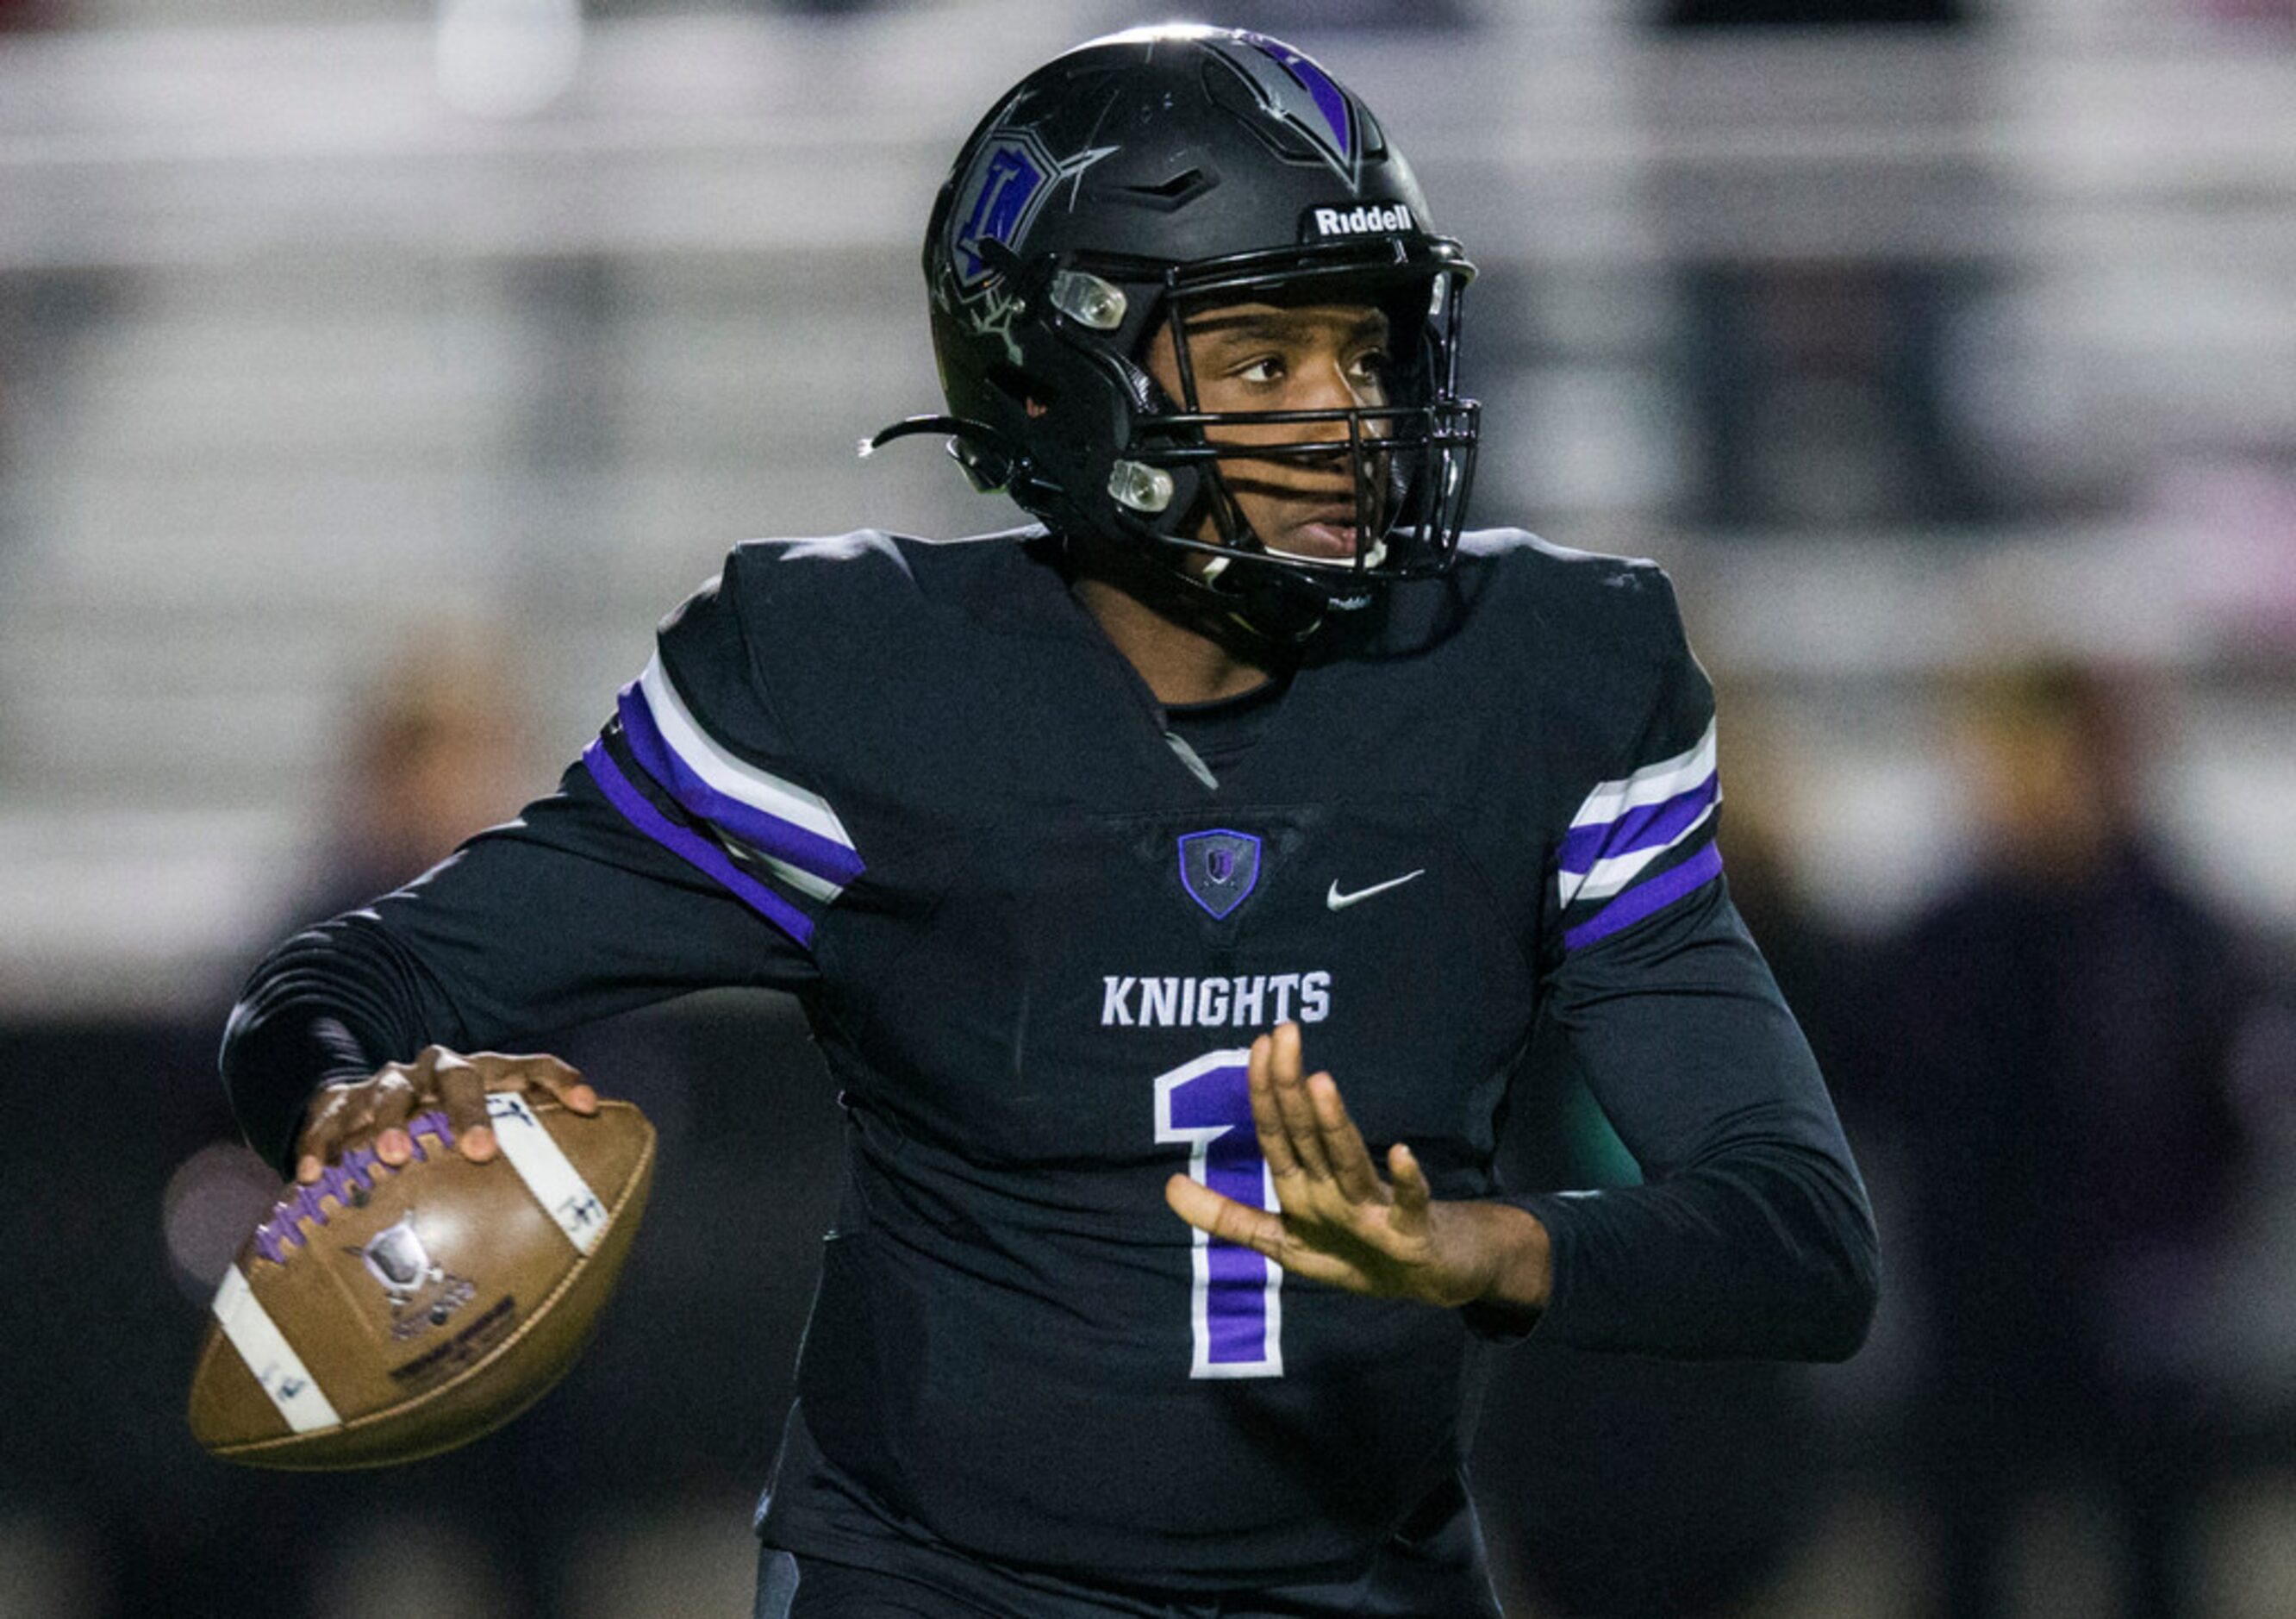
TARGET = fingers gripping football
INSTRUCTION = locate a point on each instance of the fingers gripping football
(376, 1110)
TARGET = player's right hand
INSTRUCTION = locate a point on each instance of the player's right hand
(375, 1110)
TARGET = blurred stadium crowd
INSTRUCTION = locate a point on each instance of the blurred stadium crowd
(368, 386)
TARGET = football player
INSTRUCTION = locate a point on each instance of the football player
(1076, 841)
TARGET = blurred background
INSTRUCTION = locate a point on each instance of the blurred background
(371, 378)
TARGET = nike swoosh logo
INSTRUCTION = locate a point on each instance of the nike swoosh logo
(1339, 901)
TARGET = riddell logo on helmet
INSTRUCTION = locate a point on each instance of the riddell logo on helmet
(1355, 221)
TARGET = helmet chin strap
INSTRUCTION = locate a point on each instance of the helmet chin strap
(1265, 613)
(1277, 606)
(1275, 609)
(1261, 610)
(1372, 558)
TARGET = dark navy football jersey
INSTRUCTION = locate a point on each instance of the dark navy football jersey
(1035, 930)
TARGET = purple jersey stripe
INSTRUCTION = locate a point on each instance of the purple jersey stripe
(1652, 896)
(1645, 827)
(806, 850)
(692, 847)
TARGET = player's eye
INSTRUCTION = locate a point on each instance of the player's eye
(1264, 369)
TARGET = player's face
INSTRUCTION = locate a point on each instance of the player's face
(1248, 356)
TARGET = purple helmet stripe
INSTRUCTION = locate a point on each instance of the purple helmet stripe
(1330, 100)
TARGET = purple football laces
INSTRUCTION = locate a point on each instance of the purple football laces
(340, 1181)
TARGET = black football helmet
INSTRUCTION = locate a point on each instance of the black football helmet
(1133, 181)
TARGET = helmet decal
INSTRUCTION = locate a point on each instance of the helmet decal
(1010, 179)
(999, 198)
(1293, 87)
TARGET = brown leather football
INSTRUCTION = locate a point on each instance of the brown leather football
(384, 1315)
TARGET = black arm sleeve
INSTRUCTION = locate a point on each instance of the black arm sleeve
(1752, 1234)
(568, 914)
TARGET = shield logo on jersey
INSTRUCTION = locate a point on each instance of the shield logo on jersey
(1220, 869)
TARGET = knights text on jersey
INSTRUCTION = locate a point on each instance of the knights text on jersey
(1034, 939)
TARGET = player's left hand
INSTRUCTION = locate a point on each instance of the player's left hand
(1341, 1222)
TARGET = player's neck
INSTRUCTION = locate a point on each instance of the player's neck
(1180, 664)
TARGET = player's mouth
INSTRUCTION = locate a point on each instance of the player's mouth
(1325, 534)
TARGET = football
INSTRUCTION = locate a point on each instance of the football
(386, 1314)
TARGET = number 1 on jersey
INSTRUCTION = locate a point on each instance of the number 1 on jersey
(1236, 1304)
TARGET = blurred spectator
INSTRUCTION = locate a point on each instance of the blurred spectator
(2053, 1042)
(2279, 14)
(1820, 301)
(25, 16)
(1821, 395)
(437, 749)
(47, 317)
(1818, 969)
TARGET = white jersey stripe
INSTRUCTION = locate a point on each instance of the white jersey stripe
(1650, 785)
(543, 1165)
(736, 778)
(1607, 877)
(270, 1357)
